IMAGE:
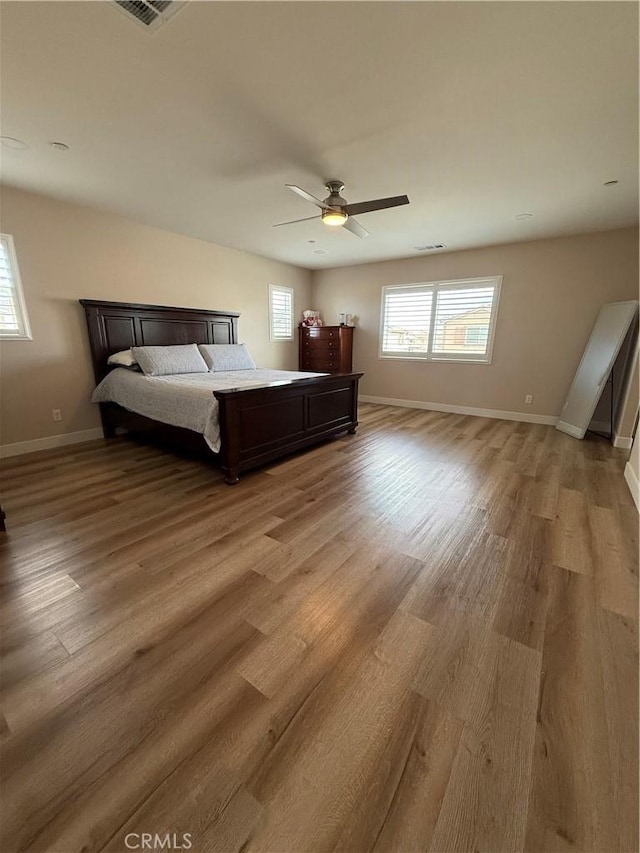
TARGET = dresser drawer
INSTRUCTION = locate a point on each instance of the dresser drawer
(320, 365)
(321, 331)
(321, 346)
(318, 335)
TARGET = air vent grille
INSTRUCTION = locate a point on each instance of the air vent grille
(151, 14)
(430, 247)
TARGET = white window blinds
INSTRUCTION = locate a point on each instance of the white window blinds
(280, 313)
(14, 323)
(440, 321)
(406, 324)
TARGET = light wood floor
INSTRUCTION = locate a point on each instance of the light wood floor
(419, 638)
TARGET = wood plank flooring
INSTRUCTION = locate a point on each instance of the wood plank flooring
(420, 638)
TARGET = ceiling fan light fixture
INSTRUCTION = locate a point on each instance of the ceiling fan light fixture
(336, 211)
(334, 217)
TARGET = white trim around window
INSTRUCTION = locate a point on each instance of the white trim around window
(442, 321)
(280, 313)
(14, 320)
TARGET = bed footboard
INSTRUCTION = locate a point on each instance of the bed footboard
(262, 424)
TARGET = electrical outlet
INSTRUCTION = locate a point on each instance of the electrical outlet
(57, 415)
(529, 398)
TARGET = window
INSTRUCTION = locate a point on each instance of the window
(476, 336)
(14, 323)
(440, 320)
(280, 313)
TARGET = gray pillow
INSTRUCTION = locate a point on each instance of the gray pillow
(227, 357)
(163, 361)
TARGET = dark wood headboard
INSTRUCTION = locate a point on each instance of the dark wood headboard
(114, 326)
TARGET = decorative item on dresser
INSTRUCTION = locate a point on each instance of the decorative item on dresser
(326, 349)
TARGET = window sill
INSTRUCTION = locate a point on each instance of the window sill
(16, 337)
(433, 360)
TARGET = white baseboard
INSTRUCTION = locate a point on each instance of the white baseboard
(632, 482)
(525, 417)
(623, 441)
(49, 442)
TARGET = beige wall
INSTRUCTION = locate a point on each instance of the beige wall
(551, 293)
(66, 252)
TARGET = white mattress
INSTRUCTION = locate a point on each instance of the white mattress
(184, 400)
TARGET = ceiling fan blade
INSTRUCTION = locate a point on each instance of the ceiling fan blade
(307, 196)
(375, 204)
(355, 228)
(293, 221)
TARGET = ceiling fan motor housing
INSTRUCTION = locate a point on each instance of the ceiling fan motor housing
(334, 199)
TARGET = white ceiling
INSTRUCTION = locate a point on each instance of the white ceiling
(478, 111)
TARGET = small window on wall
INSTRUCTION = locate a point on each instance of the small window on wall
(14, 323)
(280, 313)
(440, 320)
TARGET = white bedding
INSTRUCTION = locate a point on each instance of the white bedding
(184, 400)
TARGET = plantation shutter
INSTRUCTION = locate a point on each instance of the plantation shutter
(440, 321)
(406, 320)
(13, 315)
(463, 317)
(281, 313)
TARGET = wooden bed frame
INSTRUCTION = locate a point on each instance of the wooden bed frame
(257, 425)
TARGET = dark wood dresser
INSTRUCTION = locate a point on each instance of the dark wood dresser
(326, 349)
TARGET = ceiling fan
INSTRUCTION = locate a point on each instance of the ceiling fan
(337, 211)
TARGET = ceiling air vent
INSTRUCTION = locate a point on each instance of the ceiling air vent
(151, 14)
(430, 247)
